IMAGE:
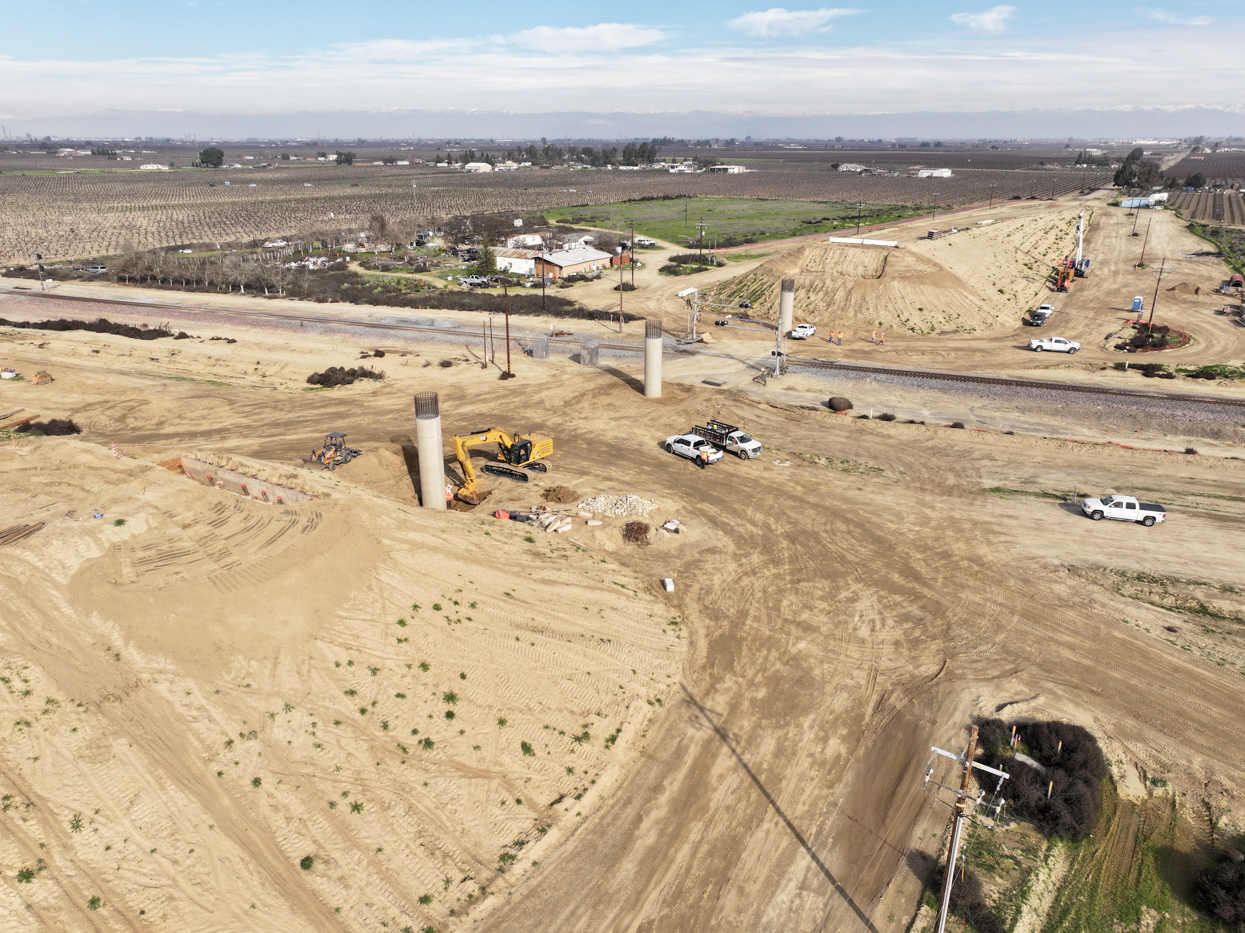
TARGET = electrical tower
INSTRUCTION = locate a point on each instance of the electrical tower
(964, 807)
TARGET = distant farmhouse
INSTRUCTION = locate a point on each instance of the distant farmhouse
(582, 260)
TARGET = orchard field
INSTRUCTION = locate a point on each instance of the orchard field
(73, 214)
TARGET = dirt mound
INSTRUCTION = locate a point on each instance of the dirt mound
(337, 376)
(101, 326)
(1184, 288)
(978, 279)
(57, 427)
(562, 495)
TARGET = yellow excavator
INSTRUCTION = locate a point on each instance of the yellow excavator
(523, 451)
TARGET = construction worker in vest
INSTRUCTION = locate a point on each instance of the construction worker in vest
(449, 493)
(703, 459)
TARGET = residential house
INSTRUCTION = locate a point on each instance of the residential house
(477, 167)
(516, 261)
(564, 262)
(525, 241)
(726, 170)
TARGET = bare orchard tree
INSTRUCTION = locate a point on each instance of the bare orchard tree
(279, 276)
(236, 273)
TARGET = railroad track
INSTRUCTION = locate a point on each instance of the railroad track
(1033, 384)
(574, 343)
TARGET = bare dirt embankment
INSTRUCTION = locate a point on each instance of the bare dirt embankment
(210, 692)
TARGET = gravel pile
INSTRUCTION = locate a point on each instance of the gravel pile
(618, 506)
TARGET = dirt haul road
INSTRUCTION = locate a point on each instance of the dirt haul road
(837, 612)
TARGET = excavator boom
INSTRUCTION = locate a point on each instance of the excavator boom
(522, 450)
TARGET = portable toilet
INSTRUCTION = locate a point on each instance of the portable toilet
(1139, 303)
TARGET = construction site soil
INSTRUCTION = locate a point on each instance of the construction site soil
(354, 714)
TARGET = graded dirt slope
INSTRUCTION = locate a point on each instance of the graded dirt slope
(979, 279)
(840, 604)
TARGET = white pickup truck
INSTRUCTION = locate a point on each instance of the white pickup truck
(1124, 509)
(691, 447)
(1058, 344)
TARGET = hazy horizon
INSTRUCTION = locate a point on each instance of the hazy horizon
(1088, 68)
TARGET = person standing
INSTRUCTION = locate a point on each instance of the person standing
(873, 336)
(840, 338)
(703, 459)
(881, 338)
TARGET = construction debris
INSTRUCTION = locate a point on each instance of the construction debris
(41, 378)
(17, 533)
(636, 532)
(562, 495)
(618, 506)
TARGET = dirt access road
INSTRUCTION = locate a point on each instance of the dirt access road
(842, 609)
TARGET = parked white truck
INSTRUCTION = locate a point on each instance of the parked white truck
(1124, 509)
(691, 446)
(728, 437)
(1058, 344)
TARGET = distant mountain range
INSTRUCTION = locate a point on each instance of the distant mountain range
(478, 124)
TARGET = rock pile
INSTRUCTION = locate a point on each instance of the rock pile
(618, 506)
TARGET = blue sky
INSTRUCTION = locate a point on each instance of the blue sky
(227, 56)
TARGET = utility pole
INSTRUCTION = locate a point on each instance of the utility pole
(964, 806)
(1150, 323)
(620, 290)
(991, 207)
(1142, 261)
(633, 254)
(508, 374)
(860, 205)
(700, 239)
(1136, 215)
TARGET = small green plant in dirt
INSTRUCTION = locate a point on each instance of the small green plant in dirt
(527, 749)
(118, 522)
(25, 875)
(450, 697)
(75, 823)
(94, 903)
(306, 863)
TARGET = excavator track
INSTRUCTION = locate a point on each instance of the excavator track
(508, 472)
(537, 467)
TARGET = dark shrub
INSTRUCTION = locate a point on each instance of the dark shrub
(1221, 892)
(957, 424)
(57, 427)
(838, 403)
(1076, 767)
(886, 417)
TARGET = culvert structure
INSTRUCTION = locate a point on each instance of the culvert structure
(432, 492)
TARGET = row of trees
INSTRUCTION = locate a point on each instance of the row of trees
(226, 271)
(630, 154)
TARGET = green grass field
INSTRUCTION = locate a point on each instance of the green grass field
(730, 221)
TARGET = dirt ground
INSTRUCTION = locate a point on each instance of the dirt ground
(200, 695)
(204, 690)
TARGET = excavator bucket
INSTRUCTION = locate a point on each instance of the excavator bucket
(472, 498)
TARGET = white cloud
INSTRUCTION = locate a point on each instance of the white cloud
(1173, 19)
(1010, 73)
(992, 20)
(779, 22)
(607, 36)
